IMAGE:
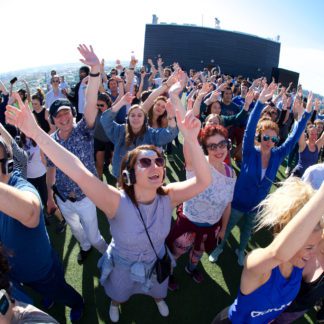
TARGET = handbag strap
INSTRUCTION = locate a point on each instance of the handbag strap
(146, 231)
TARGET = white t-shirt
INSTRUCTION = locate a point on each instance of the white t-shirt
(209, 206)
(35, 166)
(81, 95)
(51, 97)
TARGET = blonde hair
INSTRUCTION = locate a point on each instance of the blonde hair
(279, 207)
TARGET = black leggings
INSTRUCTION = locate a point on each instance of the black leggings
(222, 317)
(40, 185)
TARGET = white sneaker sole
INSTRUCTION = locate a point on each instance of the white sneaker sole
(114, 313)
(163, 308)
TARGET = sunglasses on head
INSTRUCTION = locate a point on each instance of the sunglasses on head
(145, 162)
(213, 146)
(274, 139)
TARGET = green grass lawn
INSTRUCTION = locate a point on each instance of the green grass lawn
(193, 303)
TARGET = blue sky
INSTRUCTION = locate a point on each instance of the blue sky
(38, 32)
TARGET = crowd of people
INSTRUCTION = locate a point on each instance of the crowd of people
(56, 148)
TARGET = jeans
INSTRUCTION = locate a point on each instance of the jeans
(245, 228)
(82, 218)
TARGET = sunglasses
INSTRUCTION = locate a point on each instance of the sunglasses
(274, 139)
(100, 105)
(147, 162)
(213, 146)
(56, 81)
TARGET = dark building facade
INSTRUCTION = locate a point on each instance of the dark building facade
(198, 47)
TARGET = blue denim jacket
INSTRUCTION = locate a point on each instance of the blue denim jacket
(116, 133)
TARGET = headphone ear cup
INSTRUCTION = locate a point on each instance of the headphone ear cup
(204, 149)
(51, 119)
(229, 144)
(129, 177)
(126, 177)
(259, 138)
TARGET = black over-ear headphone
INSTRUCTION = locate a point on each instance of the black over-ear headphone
(258, 137)
(128, 175)
(7, 163)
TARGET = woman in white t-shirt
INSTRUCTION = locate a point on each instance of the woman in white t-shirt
(202, 222)
(36, 167)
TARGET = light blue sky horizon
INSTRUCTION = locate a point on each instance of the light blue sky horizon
(37, 33)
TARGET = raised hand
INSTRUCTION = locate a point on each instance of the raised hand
(22, 117)
(189, 126)
(317, 104)
(309, 105)
(205, 89)
(150, 62)
(267, 92)
(170, 109)
(127, 98)
(89, 56)
(159, 61)
(248, 99)
(284, 101)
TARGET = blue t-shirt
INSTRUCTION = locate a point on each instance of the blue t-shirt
(30, 250)
(268, 301)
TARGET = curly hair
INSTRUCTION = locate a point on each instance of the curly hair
(210, 131)
(129, 162)
(279, 207)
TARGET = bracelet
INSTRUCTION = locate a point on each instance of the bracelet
(94, 75)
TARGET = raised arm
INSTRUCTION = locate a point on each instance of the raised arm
(148, 103)
(249, 134)
(182, 191)
(90, 108)
(140, 88)
(286, 244)
(201, 94)
(295, 135)
(160, 66)
(96, 190)
(320, 142)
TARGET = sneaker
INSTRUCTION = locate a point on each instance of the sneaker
(60, 228)
(195, 274)
(47, 302)
(83, 255)
(173, 284)
(163, 308)
(76, 314)
(240, 257)
(114, 313)
(215, 254)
